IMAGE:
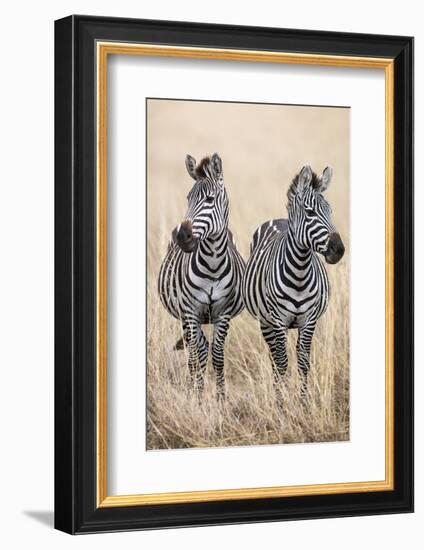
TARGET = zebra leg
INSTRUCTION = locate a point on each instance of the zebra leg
(303, 349)
(198, 348)
(220, 330)
(276, 338)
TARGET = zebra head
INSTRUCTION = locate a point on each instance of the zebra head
(310, 215)
(207, 212)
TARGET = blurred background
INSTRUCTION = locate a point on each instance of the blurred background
(262, 147)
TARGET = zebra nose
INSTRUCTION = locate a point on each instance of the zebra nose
(335, 249)
(185, 238)
(185, 234)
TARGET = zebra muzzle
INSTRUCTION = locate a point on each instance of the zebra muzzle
(335, 249)
(185, 238)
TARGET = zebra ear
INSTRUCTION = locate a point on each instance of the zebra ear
(191, 164)
(304, 178)
(325, 179)
(217, 165)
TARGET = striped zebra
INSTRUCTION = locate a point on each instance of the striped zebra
(285, 284)
(200, 276)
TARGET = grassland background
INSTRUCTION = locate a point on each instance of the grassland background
(262, 148)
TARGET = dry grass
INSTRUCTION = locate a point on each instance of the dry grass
(250, 415)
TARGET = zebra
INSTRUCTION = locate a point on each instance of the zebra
(200, 276)
(285, 284)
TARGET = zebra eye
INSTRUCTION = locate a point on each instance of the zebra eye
(209, 200)
(310, 212)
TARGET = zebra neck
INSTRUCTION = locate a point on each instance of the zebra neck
(297, 260)
(212, 252)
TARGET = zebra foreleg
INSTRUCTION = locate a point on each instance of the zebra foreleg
(198, 348)
(276, 338)
(220, 330)
(303, 349)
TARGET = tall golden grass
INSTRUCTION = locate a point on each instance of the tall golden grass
(257, 188)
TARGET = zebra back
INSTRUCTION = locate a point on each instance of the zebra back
(265, 230)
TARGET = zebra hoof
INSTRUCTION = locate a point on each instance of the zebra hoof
(280, 404)
(220, 397)
(304, 399)
(197, 395)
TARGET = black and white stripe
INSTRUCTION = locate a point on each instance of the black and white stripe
(285, 284)
(200, 276)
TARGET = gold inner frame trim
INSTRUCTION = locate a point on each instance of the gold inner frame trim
(104, 49)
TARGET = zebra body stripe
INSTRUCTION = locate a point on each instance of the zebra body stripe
(200, 284)
(281, 285)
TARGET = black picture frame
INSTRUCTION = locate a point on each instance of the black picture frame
(76, 508)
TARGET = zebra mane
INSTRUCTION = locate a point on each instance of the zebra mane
(203, 168)
(315, 184)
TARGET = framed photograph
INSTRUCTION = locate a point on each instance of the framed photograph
(234, 274)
